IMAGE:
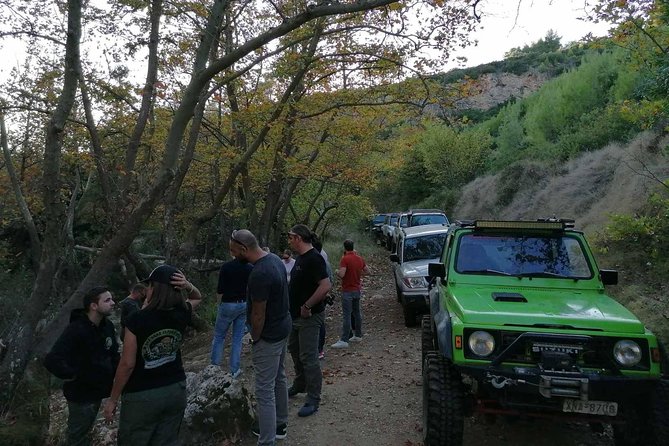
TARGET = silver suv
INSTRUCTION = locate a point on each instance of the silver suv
(417, 247)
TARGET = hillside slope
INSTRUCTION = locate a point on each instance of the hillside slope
(588, 189)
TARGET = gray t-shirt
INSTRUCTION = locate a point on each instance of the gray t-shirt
(267, 282)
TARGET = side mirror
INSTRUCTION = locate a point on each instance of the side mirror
(436, 270)
(609, 276)
(394, 258)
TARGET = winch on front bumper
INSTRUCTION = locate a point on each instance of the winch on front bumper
(557, 383)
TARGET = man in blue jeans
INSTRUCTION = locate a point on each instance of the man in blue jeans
(232, 281)
(270, 324)
(351, 269)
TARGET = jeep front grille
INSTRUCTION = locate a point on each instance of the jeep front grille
(594, 352)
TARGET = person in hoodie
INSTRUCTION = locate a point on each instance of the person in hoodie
(85, 356)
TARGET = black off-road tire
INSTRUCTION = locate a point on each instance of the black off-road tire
(409, 316)
(646, 419)
(443, 402)
(427, 338)
(660, 414)
(399, 293)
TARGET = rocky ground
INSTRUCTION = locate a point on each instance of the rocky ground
(372, 391)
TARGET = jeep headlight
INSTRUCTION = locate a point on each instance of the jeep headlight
(415, 282)
(627, 353)
(481, 343)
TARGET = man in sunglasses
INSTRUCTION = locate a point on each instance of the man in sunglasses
(309, 285)
(269, 319)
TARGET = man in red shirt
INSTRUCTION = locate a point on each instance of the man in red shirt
(351, 268)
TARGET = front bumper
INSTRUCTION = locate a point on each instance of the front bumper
(416, 300)
(555, 385)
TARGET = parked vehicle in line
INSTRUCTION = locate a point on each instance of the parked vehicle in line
(375, 224)
(386, 228)
(520, 324)
(396, 230)
(419, 217)
(417, 248)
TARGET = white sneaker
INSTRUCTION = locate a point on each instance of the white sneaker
(340, 344)
(237, 374)
(354, 339)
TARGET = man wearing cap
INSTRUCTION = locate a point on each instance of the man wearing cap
(309, 284)
(85, 356)
(270, 323)
(231, 292)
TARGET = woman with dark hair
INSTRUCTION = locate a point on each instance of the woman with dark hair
(150, 374)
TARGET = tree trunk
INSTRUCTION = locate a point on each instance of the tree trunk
(19, 349)
(148, 96)
(35, 244)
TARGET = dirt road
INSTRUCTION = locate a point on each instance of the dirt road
(372, 392)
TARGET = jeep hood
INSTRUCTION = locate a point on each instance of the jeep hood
(416, 268)
(580, 309)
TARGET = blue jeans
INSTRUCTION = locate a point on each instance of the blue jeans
(303, 348)
(350, 304)
(229, 313)
(271, 388)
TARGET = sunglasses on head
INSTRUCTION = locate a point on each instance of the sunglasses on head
(236, 240)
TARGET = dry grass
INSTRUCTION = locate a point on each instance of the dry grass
(614, 180)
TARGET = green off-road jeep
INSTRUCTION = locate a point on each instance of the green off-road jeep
(520, 324)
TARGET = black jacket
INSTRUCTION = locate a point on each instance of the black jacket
(85, 356)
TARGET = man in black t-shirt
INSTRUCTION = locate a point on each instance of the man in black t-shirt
(270, 324)
(231, 290)
(309, 284)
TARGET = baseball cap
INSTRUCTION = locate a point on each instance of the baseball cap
(303, 232)
(161, 274)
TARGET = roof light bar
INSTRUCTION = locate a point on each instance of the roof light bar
(544, 224)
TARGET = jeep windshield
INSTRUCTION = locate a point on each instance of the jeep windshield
(550, 256)
(423, 247)
(428, 219)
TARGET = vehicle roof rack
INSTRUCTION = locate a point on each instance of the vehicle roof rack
(425, 211)
(567, 222)
(540, 224)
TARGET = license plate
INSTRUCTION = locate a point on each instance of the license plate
(607, 408)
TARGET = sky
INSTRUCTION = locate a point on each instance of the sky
(506, 26)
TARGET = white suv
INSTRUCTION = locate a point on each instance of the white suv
(401, 223)
(420, 217)
(418, 247)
